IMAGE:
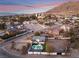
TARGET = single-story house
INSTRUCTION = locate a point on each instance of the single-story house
(37, 43)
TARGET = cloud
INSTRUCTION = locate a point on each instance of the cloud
(7, 8)
(46, 5)
(23, 9)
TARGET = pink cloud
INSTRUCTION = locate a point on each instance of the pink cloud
(7, 8)
(11, 8)
(46, 5)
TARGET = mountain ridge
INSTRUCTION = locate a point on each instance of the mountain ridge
(66, 8)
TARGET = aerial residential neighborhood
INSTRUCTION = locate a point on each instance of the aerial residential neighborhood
(35, 32)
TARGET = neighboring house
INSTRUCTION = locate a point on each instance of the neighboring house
(75, 18)
(53, 31)
(34, 22)
(40, 15)
(65, 27)
(16, 27)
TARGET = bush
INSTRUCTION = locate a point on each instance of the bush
(48, 48)
(13, 45)
(37, 34)
(24, 50)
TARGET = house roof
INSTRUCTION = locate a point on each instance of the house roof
(41, 38)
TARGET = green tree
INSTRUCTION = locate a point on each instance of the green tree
(33, 17)
(48, 47)
(37, 34)
(21, 19)
(27, 19)
(47, 17)
(2, 26)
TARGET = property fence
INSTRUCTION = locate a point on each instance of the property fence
(45, 53)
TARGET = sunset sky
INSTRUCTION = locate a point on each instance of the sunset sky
(27, 6)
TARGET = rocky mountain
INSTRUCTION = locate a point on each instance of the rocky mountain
(68, 8)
